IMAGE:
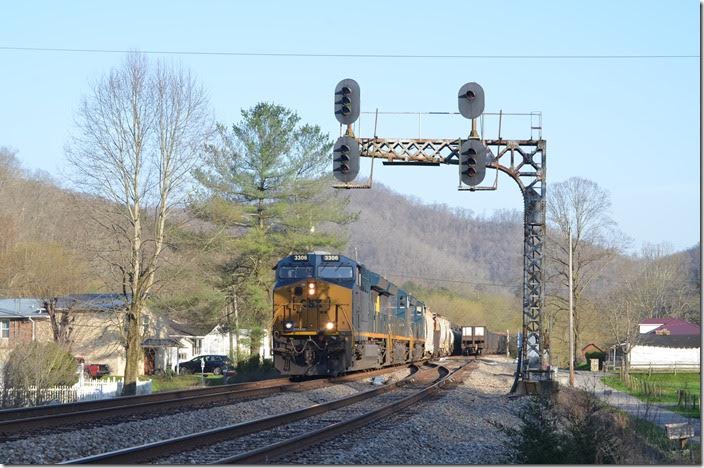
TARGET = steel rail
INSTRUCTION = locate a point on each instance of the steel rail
(45, 410)
(26, 419)
(63, 419)
(288, 446)
(125, 406)
(146, 452)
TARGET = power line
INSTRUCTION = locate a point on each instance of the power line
(372, 56)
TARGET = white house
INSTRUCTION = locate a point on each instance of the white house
(184, 342)
(667, 343)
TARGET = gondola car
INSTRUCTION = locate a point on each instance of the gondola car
(478, 340)
(332, 315)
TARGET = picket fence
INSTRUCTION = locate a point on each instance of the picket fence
(83, 390)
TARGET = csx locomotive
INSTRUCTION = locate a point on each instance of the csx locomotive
(333, 315)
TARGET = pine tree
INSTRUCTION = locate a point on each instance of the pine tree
(266, 186)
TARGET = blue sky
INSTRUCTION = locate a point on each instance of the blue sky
(630, 125)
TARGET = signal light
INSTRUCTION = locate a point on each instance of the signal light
(472, 162)
(347, 101)
(345, 159)
(329, 325)
(470, 100)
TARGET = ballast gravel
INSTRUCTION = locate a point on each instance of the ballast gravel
(459, 426)
(69, 445)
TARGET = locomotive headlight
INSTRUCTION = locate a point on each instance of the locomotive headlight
(329, 325)
(288, 325)
(311, 289)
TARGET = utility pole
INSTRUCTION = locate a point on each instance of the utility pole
(569, 236)
(231, 352)
(237, 329)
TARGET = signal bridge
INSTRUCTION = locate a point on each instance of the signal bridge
(523, 160)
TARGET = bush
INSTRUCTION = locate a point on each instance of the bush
(36, 365)
(254, 369)
(571, 432)
(538, 440)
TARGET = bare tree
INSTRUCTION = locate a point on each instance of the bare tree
(623, 317)
(582, 206)
(661, 288)
(140, 134)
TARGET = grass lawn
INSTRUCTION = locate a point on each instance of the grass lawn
(669, 383)
(162, 383)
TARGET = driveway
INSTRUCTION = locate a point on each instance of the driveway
(591, 381)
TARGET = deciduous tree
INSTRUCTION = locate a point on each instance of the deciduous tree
(140, 133)
(584, 207)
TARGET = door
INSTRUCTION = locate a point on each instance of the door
(149, 360)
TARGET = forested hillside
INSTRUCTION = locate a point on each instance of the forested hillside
(435, 245)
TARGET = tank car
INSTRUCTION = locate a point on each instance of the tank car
(332, 315)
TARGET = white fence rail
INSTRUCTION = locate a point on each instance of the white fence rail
(84, 390)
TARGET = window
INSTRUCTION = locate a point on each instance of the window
(331, 272)
(4, 328)
(295, 272)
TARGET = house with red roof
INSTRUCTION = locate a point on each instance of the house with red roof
(667, 343)
(668, 326)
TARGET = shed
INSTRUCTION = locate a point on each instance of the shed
(590, 348)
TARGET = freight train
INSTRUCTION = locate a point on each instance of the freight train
(333, 315)
(478, 340)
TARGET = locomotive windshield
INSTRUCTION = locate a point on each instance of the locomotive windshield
(288, 272)
(335, 272)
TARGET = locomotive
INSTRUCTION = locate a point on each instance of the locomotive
(333, 315)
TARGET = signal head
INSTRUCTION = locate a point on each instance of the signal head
(347, 96)
(345, 159)
(470, 100)
(472, 162)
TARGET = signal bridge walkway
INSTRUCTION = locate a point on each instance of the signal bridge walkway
(591, 382)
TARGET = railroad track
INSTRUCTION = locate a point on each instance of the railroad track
(14, 422)
(294, 430)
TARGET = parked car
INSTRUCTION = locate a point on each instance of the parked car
(92, 371)
(215, 363)
(96, 371)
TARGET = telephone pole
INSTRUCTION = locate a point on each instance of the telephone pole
(569, 238)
